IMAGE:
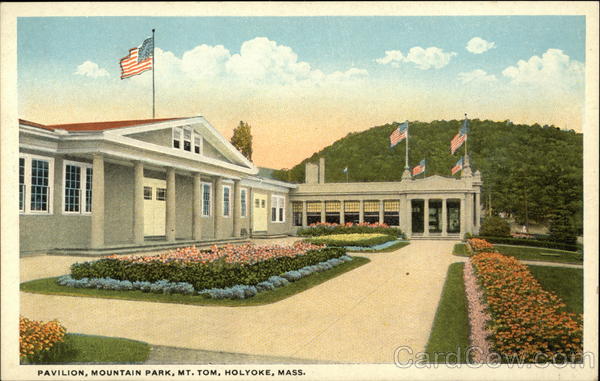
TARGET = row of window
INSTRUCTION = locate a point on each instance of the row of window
(36, 176)
(185, 138)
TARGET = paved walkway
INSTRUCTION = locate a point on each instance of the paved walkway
(361, 316)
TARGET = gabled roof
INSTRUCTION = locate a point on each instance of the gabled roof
(95, 126)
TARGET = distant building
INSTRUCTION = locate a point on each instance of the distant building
(139, 185)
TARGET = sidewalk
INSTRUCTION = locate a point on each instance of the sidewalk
(361, 316)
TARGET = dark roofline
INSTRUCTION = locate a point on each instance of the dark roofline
(95, 126)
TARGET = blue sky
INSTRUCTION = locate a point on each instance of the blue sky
(307, 75)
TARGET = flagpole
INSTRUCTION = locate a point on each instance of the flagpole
(466, 139)
(406, 164)
(153, 69)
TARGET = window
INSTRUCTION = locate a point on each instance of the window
(36, 176)
(177, 137)
(77, 186)
(297, 212)
(277, 209)
(161, 194)
(21, 184)
(206, 192)
(313, 212)
(187, 139)
(351, 211)
(226, 201)
(243, 202)
(371, 211)
(197, 144)
(391, 212)
(332, 212)
(147, 193)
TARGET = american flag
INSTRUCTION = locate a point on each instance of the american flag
(399, 134)
(419, 168)
(458, 166)
(459, 139)
(139, 59)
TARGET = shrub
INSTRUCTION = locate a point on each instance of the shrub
(530, 242)
(37, 338)
(495, 226)
(324, 228)
(528, 321)
(353, 239)
(162, 286)
(201, 275)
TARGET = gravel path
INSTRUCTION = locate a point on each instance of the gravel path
(361, 316)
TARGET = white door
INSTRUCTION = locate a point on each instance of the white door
(155, 199)
(259, 212)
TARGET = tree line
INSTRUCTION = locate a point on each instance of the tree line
(530, 171)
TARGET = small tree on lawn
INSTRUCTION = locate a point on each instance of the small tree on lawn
(495, 226)
(242, 139)
(561, 229)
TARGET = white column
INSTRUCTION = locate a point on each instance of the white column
(322, 211)
(342, 218)
(304, 214)
(361, 211)
(477, 211)
(138, 202)
(444, 218)
(469, 213)
(236, 207)
(426, 217)
(197, 208)
(218, 206)
(97, 222)
(171, 215)
(380, 211)
(462, 217)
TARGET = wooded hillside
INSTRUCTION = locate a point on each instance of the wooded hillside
(530, 171)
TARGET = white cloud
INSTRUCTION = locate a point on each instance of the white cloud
(478, 45)
(477, 76)
(91, 69)
(423, 59)
(260, 61)
(554, 68)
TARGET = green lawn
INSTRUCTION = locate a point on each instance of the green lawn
(450, 331)
(95, 349)
(567, 283)
(528, 253)
(394, 247)
(537, 254)
(49, 286)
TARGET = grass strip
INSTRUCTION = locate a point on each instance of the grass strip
(449, 337)
(78, 348)
(49, 286)
(565, 282)
(536, 254)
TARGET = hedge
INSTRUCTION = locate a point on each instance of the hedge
(217, 274)
(328, 229)
(530, 242)
(365, 242)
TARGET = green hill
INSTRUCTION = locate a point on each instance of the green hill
(529, 170)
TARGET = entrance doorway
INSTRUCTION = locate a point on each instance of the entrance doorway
(417, 207)
(259, 212)
(155, 198)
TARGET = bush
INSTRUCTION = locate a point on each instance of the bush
(215, 274)
(495, 226)
(354, 239)
(350, 228)
(530, 242)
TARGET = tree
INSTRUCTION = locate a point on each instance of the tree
(242, 139)
(561, 229)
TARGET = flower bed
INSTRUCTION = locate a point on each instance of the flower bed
(215, 268)
(239, 291)
(361, 240)
(37, 337)
(527, 321)
(532, 242)
(324, 228)
(480, 245)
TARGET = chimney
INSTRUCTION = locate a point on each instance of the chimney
(322, 170)
(311, 174)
